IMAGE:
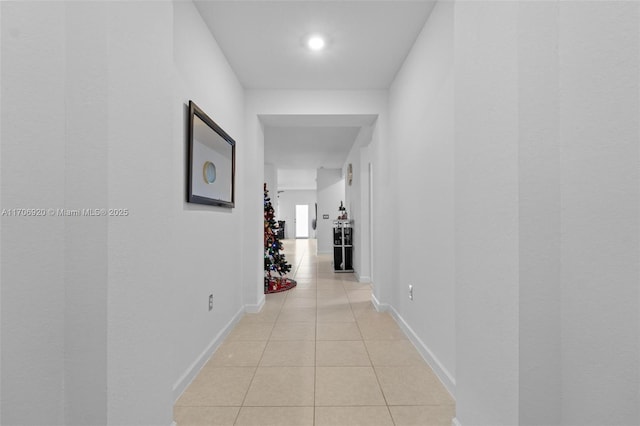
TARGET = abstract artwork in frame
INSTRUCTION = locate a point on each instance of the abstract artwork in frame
(211, 162)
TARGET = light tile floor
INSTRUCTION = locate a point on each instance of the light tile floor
(316, 355)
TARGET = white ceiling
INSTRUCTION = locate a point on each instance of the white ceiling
(308, 147)
(264, 40)
(310, 141)
(326, 120)
(264, 44)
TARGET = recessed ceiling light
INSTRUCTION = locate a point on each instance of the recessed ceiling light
(316, 43)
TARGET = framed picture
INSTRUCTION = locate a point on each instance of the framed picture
(212, 161)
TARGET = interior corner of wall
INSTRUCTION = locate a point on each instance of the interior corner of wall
(256, 307)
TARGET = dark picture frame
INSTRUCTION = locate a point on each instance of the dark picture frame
(211, 165)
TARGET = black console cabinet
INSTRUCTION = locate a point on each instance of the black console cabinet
(342, 246)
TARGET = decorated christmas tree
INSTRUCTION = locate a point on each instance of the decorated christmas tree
(274, 261)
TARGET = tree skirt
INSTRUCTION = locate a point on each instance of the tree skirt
(276, 285)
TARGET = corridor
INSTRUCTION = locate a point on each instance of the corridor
(320, 355)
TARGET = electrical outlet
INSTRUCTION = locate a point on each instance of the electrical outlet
(210, 301)
(410, 292)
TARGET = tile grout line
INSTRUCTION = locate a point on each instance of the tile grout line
(346, 287)
(375, 372)
(258, 365)
(314, 269)
(315, 343)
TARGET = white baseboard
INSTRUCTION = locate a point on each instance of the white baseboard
(193, 370)
(380, 307)
(254, 309)
(443, 374)
(455, 422)
(173, 423)
(362, 279)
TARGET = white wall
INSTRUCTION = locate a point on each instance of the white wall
(104, 319)
(538, 144)
(253, 220)
(539, 199)
(1, 204)
(486, 212)
(421, 126)
(384, 199)
(330, 194)
(287, 201)
(271, 179)
(598, 116)
(356, 200)
(207, 250)
(296, 179)
(33, 265)
(139, 253)
(365, 253)
(546, 153)
(86, 241)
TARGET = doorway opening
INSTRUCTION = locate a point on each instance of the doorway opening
(302, 221)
